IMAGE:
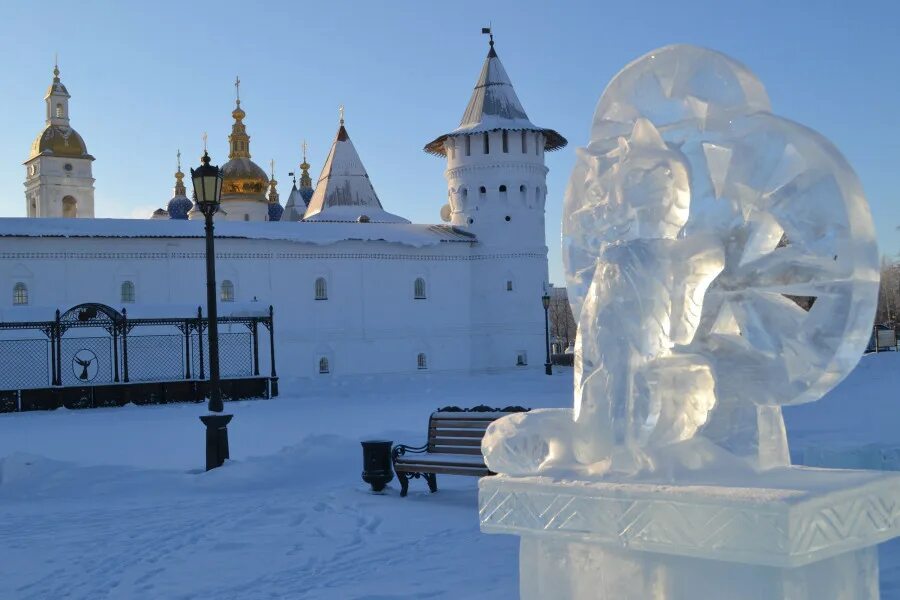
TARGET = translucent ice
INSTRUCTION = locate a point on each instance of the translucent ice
(721, 263)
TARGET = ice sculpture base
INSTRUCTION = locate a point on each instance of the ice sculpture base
(794, 533)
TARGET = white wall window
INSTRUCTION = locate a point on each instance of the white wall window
(20, 294)
(505, 141)
(323, 366)
(321, 289)
(509, 285)
(468, 146)
(226, 292)
(419, 289)
(59, 111)
(422, 361)
(521, 358)
(524, 143)
(487, 144)
(127, 292)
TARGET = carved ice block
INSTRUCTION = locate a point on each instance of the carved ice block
(793, 533)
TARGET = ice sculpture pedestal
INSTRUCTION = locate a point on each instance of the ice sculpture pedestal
(794, 533)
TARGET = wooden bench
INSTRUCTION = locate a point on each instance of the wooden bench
(453, 447)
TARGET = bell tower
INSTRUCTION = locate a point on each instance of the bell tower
(58, 178)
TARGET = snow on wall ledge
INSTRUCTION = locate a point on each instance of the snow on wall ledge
(320, 233)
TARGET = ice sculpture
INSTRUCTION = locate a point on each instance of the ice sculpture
(721, 264)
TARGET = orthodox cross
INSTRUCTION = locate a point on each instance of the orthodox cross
(303, 145)
(272, 166)
(178, 154)
(237, 88)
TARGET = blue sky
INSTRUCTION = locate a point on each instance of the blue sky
(149, 78)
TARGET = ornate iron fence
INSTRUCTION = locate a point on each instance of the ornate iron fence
(91, 347)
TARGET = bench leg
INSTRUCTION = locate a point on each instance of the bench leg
(431, 478)
(404, 483)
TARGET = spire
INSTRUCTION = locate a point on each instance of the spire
(238, 141)
(179, 178)
(305, 179)
(273, 192)
(344, 191)
(494, 105)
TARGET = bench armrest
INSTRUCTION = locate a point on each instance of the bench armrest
(401, 449)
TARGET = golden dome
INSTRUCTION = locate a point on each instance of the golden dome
(243, 176)
(59, 140)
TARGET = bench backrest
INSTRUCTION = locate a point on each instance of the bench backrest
(461, 431)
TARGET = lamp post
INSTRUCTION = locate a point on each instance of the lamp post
(545, 300)
(207, 182)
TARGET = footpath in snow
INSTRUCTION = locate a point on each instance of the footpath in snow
(113, 503)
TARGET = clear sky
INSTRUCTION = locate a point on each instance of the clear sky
(148, 78)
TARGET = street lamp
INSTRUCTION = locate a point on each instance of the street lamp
(207, 182)
(545, 300)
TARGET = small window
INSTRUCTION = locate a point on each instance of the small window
(419, 289)
(321, 289)
(323, 366)
(59, 111)
(487, 144)
(465, 192)
(226, 293)
(524, 142)
(502, 188)
(127, 292)
(509, 286)
(422, 361)
(505, 142)
(20, 294)
(482, 190)
(522, 359)
(246, 217)
(537, 144)
(468, 146)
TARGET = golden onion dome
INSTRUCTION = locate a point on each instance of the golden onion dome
(243, 176)
(59, 140)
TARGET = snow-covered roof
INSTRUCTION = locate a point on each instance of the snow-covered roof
(494, 105)
(308, 232)
(294, 207)
(344, 182)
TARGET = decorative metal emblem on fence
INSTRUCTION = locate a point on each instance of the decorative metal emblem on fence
(95, 345)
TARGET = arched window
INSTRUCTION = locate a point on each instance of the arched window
(468, 146)
(505, 141)
(524, 142)
(127, 292)
(69, 207)
(502, 188)
(509, 285)
(226, 293)
(482, 190)
(523, 195)
(487, 143)
(537, 143)
(323, 366)
(59, 111)
(20, 294)
(422, 361)
(321, 289)
(419, 289)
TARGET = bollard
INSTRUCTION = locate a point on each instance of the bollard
(216, 439)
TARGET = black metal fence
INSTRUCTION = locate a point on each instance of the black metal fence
(93, 355)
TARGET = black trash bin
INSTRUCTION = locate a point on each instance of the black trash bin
(377, 467)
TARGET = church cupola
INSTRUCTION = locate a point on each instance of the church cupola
(244, 183)
(275, 208)
(180, 204)
(496, 177)
(344, 192)
(58, 178)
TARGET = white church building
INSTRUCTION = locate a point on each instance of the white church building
(356, 289)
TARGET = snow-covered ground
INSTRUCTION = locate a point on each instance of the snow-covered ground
(113, 503)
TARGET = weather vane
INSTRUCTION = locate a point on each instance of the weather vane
(488, 31)
(341, 111)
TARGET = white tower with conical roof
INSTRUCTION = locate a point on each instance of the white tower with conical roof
(58, 178)
(496, 189)
(496, 177)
